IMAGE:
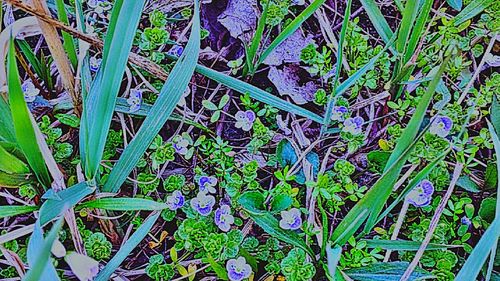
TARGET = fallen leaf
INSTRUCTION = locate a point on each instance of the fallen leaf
(289, 50)
(286, 82)
(240, 18)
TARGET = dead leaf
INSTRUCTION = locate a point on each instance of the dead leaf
(240, 18)
(289, 50)
(286, 82)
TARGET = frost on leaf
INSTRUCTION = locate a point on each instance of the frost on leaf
(286, 82)
(240, 18)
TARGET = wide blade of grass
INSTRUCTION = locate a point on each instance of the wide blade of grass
(11, 164)
(126, 248)
(168, 98)
(404, 245)
(369, 207)
(257, 38)
(41, 267)
(7, 132)
(100, 103)
(417, 30)
(256, 93)
(63, 200)
(473, 9)
(25, 135)
(14, 180)
(409, 15)
(124, 204)
(10, 211)
(290, 29)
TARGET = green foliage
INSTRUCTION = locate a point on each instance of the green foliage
(98, 246)
(295, 267)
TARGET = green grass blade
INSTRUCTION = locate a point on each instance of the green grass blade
(417, 30)
(378, 20)
(386, 271)
(68, 43)
(373, 201)
(124, 204)
(10, 211)
(409, 15)
(257, 38)
(14, 180)
(41, 268)
(290, 29)
(34, 62)
(100, 103)
(404, 245)
(7, 133)
(338, 68)
(128, 247)
(256, 93)
(168, 98)
(473, 9)
(333, 257)
(62, 200)
(25, 134)
(11, 164)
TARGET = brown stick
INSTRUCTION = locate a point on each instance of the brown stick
(136, 59)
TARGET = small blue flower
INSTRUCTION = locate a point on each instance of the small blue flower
(245, 119)
(30, 91)
(338, 113)
(291, 219)
(207, 184)
(353, 125)
(180, 144)
(203, 203)
(238, 269)
(100, 6)
(466, 221)
(176, 51)
(223, 218)
(94, 64)
(421, 195)
(135, 100)
(441, 126)
(176, 200)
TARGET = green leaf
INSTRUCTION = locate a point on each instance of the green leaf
(378, 159)
(280, 203)
(466, 183)
(11, 164)
(490, 176)
(495, 114)
(404, 245)
(7, 133)
(487, 209)
(10, 211)
(168, 98)
(124, 204)
(100, 103)
(14, 180)
(386, 271)
(21, 118)
(291, 28)
(63, 200)
(257, 38)
(209, 105)
(68, 119)
(252, 201)
(127, 248)
(473, 9)
(418, 31)
(218, 269)
(271, 226)
(41, 268)
(68, 43)
(455, 4)
(333, 257)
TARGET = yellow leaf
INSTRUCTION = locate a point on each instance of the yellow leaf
(384, 145)
(192, 268)
(182, 270)
(173, 254)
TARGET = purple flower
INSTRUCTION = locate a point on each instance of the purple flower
(207, 184)
(421, 195)
(291, 219)
(94, 64)
(203, 203)
(135, 100)
(180, 145)
(238, 269)
(223, 218)
(30, 91)
(176, 200)
(245, 119)
(99, 6)
(441, 126)
(353, 125)
(339, 113)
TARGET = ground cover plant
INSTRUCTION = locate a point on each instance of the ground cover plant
(249, 140)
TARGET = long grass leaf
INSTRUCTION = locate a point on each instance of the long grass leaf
(124, 204)
(409, 15)
(290, 29)
(378, 20)
(473, 9)
(100, 103)
(404, 245)
(417, 30)
(10, 211)
(41, 268)
(25, 135)
(126, 248)
(257, 38)
(256, 93)
(11, 164)
(169, 96)
(7, 133)
(68, 43)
